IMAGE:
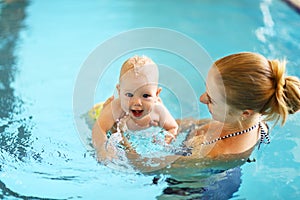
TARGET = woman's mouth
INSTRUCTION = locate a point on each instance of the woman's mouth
(137, 113)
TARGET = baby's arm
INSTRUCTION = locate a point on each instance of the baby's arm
(167, 122)
(104, 123)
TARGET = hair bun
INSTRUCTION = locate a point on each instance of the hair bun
(292, 93)
(278, 69)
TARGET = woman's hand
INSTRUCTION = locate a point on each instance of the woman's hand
(104, 155)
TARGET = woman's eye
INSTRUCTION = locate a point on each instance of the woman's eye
(129, 95)
(146, 95)
(210, 101)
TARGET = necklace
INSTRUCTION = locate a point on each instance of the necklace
(231, 135)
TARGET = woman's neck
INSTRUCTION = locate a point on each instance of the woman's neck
(239, 125)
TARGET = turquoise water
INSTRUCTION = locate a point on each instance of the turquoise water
(43, 45)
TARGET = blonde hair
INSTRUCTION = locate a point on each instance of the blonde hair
(253, 82)
(134, 62)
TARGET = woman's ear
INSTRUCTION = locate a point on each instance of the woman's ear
(158, 91)
(247, 113)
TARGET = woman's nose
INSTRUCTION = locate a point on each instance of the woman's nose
(203, 98)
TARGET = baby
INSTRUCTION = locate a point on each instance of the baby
(138, 106)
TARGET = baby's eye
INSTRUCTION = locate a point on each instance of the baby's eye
(146, 95)
(129, 94)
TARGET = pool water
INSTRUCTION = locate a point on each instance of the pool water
(43, 45)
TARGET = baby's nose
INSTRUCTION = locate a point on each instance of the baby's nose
(136, 101)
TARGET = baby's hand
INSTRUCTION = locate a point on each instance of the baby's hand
(169, 137)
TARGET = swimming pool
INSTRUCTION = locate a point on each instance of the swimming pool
(43, 46)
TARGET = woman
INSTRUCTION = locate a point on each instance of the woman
(243, 91)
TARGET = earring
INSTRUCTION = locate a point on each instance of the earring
(242, 118)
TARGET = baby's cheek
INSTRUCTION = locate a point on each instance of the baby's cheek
(148, 104)
(125, 106)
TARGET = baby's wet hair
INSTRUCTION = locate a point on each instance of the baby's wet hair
(135, 62)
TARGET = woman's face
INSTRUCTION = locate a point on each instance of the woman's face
(215, 99)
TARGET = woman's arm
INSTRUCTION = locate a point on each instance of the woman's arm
(147, 164)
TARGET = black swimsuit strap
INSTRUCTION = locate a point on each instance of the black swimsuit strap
(264, 136)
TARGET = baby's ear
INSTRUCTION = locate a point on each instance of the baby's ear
(158, 91)
(118, 88)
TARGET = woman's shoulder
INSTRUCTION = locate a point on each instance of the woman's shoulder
(220, 149)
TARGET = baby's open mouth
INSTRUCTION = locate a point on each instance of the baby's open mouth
(137, 113)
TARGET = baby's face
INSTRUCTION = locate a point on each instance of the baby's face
(138, 103)
(137, 94)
